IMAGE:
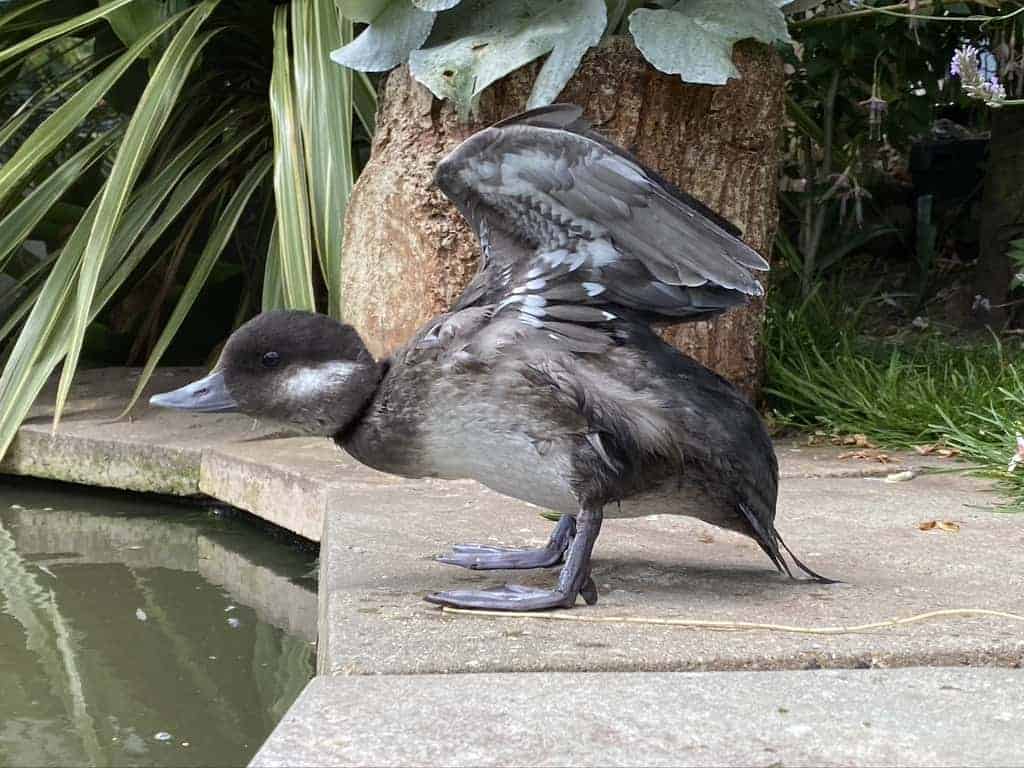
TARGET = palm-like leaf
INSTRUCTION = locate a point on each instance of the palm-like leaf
(56, 129)
(17, 225)
(290, 187)
(174, 161)
(211, 252)
(324, 101)
(41, 339)
(57, 30)
(154, 108)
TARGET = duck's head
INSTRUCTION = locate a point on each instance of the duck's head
(303, 370)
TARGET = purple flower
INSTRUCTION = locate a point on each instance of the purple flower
(994, 89)
(876, 107)
(965, 66)
(964, 60)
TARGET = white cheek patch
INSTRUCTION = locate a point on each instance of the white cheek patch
(311, 381)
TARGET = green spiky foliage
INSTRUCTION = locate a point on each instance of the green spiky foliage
(147, 145)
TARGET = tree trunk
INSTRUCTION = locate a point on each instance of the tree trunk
(408, 253)
(1002, 217)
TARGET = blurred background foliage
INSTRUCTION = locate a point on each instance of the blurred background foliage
(895, 303)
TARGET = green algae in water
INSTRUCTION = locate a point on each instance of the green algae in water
(138, 633)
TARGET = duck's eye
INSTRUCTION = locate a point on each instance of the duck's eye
(271, 360)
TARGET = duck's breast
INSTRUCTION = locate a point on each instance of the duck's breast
(502, 450)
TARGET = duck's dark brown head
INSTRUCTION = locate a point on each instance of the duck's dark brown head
(302, 370)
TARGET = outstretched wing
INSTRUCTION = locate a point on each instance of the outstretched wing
(574, 231)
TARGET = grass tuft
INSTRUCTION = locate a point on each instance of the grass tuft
(825, 373)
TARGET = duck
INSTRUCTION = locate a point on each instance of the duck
(546, 380)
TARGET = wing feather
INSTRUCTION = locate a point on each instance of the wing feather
(575, 233)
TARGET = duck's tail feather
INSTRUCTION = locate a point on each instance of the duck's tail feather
(771, 542)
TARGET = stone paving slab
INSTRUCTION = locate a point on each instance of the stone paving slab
(376, 565)
(912, 717)
(229, 457)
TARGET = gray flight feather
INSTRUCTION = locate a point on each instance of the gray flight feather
(576, 234)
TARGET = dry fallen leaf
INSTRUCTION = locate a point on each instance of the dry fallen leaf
(934, 448)
(860, 441)
(866, 456)
(939, 525)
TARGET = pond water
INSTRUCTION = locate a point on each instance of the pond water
(137, 632)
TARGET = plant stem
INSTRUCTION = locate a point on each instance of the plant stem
(895, 10)
(828, 131)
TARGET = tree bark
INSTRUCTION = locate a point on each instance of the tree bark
(1002, 218)
(407, 252)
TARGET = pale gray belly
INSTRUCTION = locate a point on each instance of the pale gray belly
(504, 459)
(538, 471)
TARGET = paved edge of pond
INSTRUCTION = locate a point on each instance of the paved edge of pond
(376, 624)
(910, 717)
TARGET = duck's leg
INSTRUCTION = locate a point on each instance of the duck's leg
(574, 579)
(482, 558)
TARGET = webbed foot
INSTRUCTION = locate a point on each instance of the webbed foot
(513, 597)
(479, 557)
(574, 578)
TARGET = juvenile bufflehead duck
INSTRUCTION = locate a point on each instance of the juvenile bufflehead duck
(545, 381)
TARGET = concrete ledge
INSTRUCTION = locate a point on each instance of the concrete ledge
(919, 717)
(273, 487)
(377, 563)
(173, 470)
(229, 457)
(153, 451)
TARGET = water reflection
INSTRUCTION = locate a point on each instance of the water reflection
(137, 633)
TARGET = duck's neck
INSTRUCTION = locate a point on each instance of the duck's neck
(382, 435)
(344, 435)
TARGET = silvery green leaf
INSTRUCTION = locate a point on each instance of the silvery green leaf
(674, 44)
(694, 38)
(435, 5)
(396, 31)
(361, 10)
(577, 37)
(742, 19)
(484, 40)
